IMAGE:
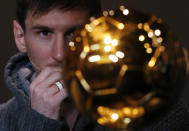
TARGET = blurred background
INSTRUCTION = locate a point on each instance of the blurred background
(174, 13)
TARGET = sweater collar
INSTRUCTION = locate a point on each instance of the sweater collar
(18, 75)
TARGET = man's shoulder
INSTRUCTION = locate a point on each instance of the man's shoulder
(7, 111)
(9, 104)
(8, 108)
(175, 119)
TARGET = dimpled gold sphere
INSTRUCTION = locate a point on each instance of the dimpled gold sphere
(124, 69)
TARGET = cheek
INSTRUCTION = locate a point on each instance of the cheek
(38, 53)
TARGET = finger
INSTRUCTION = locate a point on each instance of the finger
(62, 90)
(54, 90)
(50, 80)
(50, 91)
(61, 95)
(44, 74)
(54, 96)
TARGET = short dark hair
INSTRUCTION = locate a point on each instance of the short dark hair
(43, 6)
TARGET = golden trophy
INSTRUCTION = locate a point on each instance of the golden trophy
(125, 68)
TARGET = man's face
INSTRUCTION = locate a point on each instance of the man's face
(46, 36)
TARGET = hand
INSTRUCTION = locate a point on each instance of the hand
(46, 98)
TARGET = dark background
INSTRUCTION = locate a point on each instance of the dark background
(174, 13)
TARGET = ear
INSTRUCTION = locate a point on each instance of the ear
(19, 37)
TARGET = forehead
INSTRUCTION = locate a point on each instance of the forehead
(56, 17)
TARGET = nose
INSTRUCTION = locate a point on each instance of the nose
(58, 48)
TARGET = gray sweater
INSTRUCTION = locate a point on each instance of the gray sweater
(17, 115)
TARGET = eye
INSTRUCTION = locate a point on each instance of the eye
(69, 34)
(44, 33)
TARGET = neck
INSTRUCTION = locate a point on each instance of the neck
(69, 112)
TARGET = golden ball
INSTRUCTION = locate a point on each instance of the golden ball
(124, 69)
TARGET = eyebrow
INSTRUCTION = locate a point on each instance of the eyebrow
(72, 29)
(41, 27)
